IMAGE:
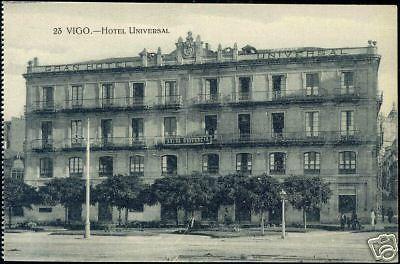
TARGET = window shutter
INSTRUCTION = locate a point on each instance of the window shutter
(342, 83)
(249, 162)
(272, 161)
(316, 123)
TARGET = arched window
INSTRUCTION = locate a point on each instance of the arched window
(210, 163)
(75, 167)
(244, 163)
(169, 165)
(136, 167)
(312, 162)
(347, 162)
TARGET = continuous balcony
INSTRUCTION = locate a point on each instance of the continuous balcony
(206, 100)
(168, 102)
(193, 141)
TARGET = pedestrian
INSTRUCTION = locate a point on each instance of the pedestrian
(348, 223)
(354, 221)
(390, 215)
(342, 221)
(373, 218)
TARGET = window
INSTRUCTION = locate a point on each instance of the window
(75, 167)
(138, 93)
(105, 167)
(47, 134)
(278, 124)
(106, 131)
(46, 168)
(244, 126)
(211, 124)
(170, 126)
(76, 95)
(244, 88)
(347, 162)
(45, 209)
(136, 165)
(137, 129)
(169, 165)
(347, 83)
(312, 83)
(48, 97)
(244, 163)
(277, 163)
(312, 162)
(17, 173)
(312, 124)
(210, 163)
(278, 86)
(76, 133)
(108, 94)
(211, 90)
(347, 123)
(171, 92)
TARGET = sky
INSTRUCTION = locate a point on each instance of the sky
(28, 33)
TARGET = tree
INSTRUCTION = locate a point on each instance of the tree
(18, 194)
(306, 193)
(233, 189)
(186, 192)
(120, 191)
(68, 192)
(264, 195)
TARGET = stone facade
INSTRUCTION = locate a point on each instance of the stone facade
(285, 112)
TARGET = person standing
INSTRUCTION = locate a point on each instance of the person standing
(373, 218)
(390, 215)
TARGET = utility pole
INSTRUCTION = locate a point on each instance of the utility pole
(87, 222)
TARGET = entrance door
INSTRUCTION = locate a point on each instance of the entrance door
(105, 213)
(75, 213)
(347, 203)
(242, 213)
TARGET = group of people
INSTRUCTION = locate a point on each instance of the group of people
(389, 213)
(351, 222)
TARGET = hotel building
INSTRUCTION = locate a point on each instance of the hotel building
(302, 111)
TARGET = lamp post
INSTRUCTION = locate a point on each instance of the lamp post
(283, 196)
(87, 222)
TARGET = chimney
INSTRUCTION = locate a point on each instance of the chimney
(35, 62)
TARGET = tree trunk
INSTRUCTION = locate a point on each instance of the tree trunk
(126, 216)
(119, 217)
(305, 218)
(262, 223)
(66, 215)
(9, 216)
(192, 220)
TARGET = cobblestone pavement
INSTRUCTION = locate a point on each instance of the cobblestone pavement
(316, 246)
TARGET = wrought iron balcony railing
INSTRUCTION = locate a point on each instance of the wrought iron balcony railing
(207, 99)
(273, 138)
(169, 101)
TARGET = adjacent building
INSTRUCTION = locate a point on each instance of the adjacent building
(301, 111)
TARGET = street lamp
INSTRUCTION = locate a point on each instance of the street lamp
(283, 196)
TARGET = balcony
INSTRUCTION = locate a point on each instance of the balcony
(42, 145)
(95, 104)
(279, 96)
(347, 93)
(207, 100)
(168, 102)
(301, 138)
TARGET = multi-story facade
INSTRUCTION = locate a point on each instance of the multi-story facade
(310, 111)
(388, 160)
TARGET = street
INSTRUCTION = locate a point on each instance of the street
(315, 246)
